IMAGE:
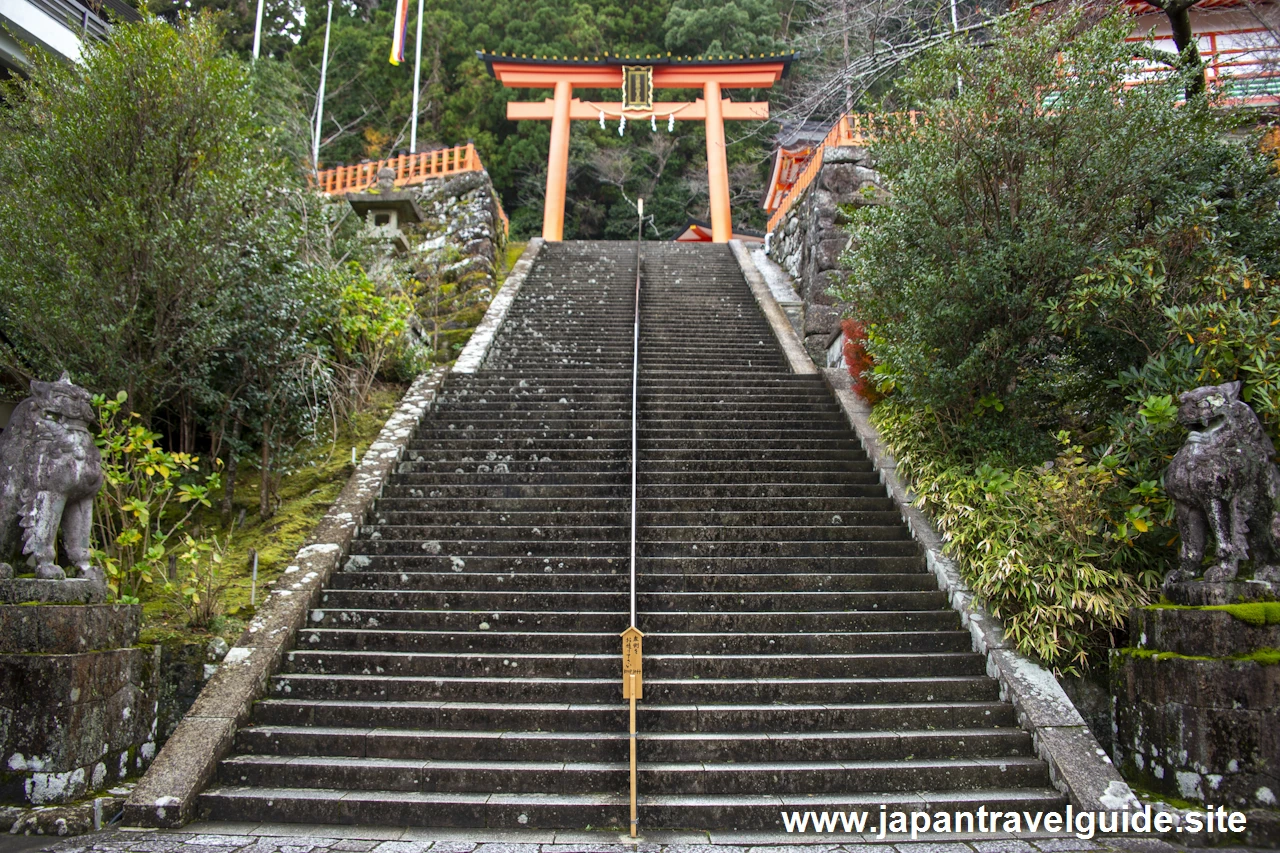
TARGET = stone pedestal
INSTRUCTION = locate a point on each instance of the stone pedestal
(1197, 702)
(33, 590)
(1202, 594)
(77, 711)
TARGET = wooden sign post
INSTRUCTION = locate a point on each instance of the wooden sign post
(632, 689)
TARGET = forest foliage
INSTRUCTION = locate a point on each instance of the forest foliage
(368, 101)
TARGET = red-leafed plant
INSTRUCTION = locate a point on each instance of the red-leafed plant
(859, 361)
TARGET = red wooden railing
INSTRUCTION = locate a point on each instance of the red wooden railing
(852, 129)
(410, 169)
(1240, 61)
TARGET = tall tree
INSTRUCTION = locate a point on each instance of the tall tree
(141, 214)
(696, 27)
(1187, 58)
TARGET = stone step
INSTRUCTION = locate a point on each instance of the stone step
(936, 685)
(569, 622)
(404, 808)
(798, 461)
(531, 580)
(571, 777)
(595, 514)
(761, 812)
(815, 508)
(657, 570)
(670, 665)
(480, 601)
(740, 602)
(606, 643)
(652, 746)
(462, 667)
(541, 479)
(556, 528)
(586, 462)
(403, 489)
(534, 579)
(464, 548)
(438, 775)
(653, 566)
(616, 513)
(496, 533)
(761, 548)
(752, 472)
(759, 533)
(562, 716)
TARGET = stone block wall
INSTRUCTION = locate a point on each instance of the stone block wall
(810, 239)
(77, 700)
(456, 254)
(462, 214)
(1197, 707)
(463, 242)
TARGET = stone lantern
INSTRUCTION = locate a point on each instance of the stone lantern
(387, 209)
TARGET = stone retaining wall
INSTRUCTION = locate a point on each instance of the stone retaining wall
(810, 239)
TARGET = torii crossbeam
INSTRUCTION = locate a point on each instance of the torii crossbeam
(710, 74)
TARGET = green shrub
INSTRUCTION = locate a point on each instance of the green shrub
(1057, 551)
(147, 497)
(199, 591)
(1053, 271)
(1003, 197)
(368, 331)
(1201, 313)
(144, 223)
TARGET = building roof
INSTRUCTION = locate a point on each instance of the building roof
(58, 26)
(697, 231)
(402, 202)
(798, 134)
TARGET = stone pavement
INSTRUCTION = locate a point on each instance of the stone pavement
(302, 838)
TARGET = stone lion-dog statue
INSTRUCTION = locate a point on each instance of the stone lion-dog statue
(1223, 482)
(50, 471)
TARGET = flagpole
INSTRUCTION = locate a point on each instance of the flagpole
(257, 32)
(417, 72)
(324, 70)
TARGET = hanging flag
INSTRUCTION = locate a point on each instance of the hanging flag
(401, 30)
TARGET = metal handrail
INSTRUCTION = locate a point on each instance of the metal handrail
(635, 405)
(631, 670)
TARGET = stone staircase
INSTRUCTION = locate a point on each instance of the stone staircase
(798, 653)
(463, 669)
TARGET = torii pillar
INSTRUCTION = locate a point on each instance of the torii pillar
(711, 75)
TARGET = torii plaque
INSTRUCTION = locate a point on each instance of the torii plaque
(710, 74)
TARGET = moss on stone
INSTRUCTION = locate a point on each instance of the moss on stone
(1256, 613)
(1155, 654)
(1265, 657)
(1262, 657)
(514, 251)
(1148, 795)
(307, 489)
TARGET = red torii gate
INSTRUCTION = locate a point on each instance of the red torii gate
(710, 74)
